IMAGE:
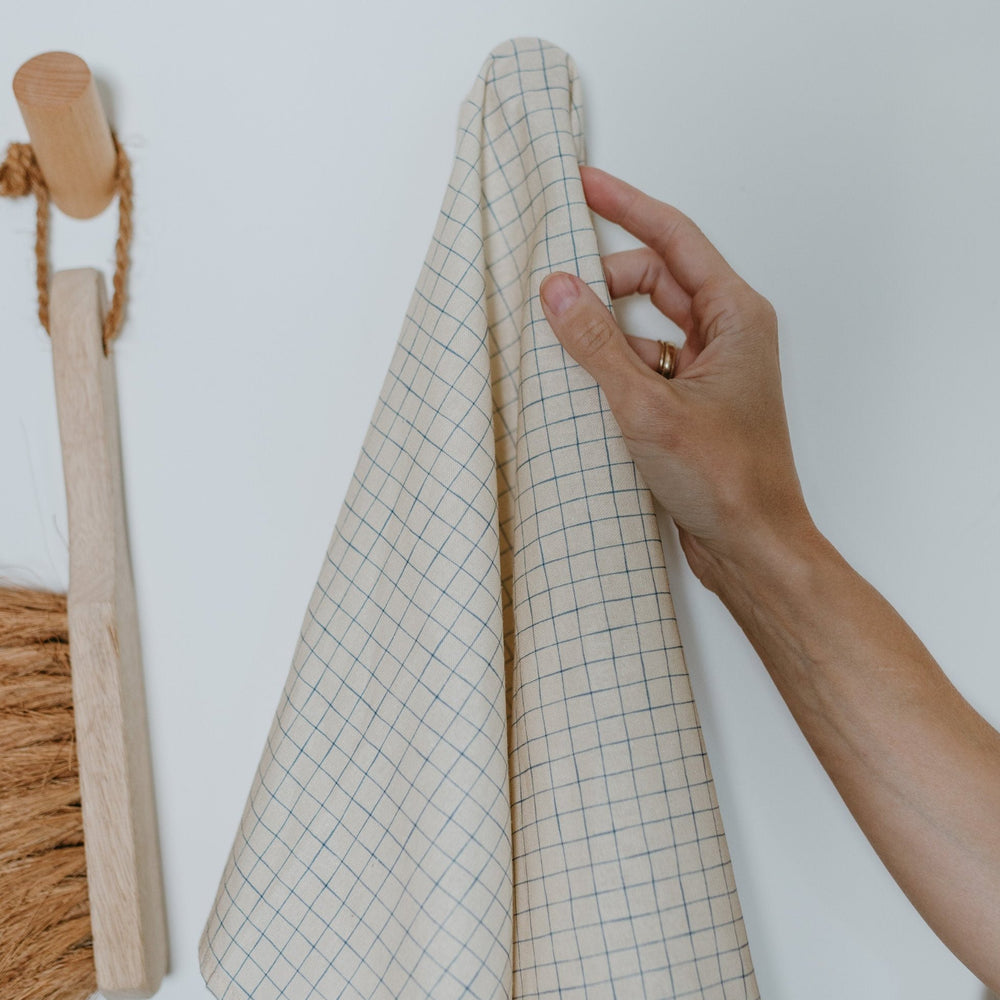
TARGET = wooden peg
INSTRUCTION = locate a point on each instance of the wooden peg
(69, 132)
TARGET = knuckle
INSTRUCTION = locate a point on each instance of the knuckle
(716, 306)
(592, 332)
(757, 309)
(676, 227)
(652, 272)
(729, 305)
(767, 312)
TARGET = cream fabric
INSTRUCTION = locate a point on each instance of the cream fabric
(486, 776)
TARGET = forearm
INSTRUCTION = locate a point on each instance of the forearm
(916, 765)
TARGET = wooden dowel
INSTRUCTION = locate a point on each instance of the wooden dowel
(69, 132)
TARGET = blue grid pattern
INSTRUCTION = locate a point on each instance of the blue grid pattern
(486, 776)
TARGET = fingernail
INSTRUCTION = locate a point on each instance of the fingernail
(559, 292)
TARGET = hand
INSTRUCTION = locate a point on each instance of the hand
(711, 443)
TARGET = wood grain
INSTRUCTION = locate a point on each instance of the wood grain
(69, 131)
(119, 815)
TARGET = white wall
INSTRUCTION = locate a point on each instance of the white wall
(289, 163)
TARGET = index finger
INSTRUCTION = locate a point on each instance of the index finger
(686, 250)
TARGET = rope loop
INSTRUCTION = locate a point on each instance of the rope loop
(20, 175)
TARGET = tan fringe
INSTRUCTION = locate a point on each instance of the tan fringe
(46, 950)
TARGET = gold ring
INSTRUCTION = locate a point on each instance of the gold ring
(668, 359)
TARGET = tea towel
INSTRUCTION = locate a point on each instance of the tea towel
(486, 776)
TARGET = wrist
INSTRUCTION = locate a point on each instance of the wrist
(759, 553)
(770, 577)
(793, 595)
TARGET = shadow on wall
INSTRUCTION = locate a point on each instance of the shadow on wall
(107, 94)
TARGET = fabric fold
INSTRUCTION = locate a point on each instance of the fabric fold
(486, 776)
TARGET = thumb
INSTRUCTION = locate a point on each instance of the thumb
(588, 331)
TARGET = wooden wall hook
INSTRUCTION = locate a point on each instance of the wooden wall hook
(69, 132)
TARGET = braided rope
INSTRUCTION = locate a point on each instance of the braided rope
(20, 175)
